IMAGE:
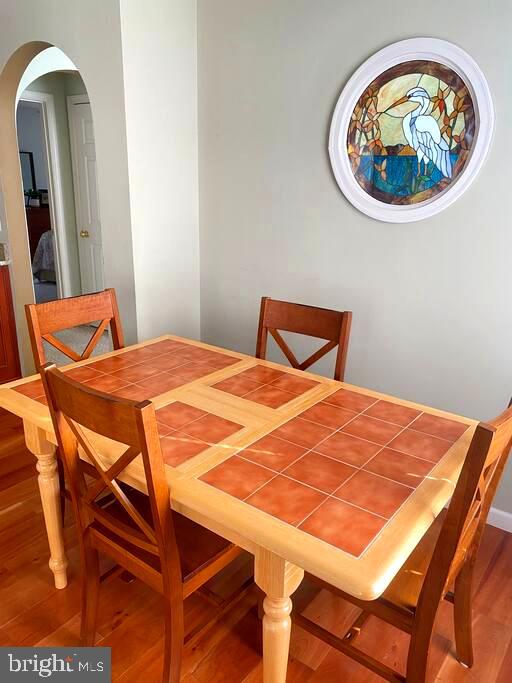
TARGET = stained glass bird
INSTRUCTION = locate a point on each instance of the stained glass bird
(422, 133)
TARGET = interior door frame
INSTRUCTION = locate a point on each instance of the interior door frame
(56, 198)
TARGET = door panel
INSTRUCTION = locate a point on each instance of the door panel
(86, 196)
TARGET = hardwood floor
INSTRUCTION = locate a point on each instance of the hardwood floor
(33, 612)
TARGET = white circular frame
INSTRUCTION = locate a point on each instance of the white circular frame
(431, 49)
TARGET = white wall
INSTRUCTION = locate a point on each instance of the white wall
(431, 300)
(51, 59)
(160, 76)
(89, 33)
(29, 123)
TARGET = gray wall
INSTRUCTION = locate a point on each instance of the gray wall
(431, 300)
(29, 124)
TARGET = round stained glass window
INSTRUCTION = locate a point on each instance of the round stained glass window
(411, 130)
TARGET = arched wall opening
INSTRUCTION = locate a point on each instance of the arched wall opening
(27, 63)
(13, 207)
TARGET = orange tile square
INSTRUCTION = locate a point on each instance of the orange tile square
(186, 352)
(273, 453)
(163, 430)
(343, 526)
(136, 372)
(123, 360)
(158, 348)
(221, 360)
(270, 396)
(330, 416)
(106, 383)
(351, 400)
(294, 384)
(238, 386)
(319, 471)
(348, 449)
(165, 345)
(421, 445)
(159, 384)
(393, 412)
(286, 499)
(178, 414)
(132, 392)
(372, 430)
(440, 426)
(178, 447)
(192, 371)
(83, 374)
(302, 432)
(373, 493)
(403, 468)
(168, 361)
(262, 374)
(31, 389)
(212, 429)
(237, 477)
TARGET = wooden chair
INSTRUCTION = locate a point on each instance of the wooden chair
(45, 319)
(322, 323)
(445, 557)
(139, 532)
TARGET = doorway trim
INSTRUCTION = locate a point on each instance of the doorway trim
(56, 198)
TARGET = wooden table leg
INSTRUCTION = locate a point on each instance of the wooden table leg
(278, 579)
(49, 490)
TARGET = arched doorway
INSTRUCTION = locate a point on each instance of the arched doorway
(71, 192)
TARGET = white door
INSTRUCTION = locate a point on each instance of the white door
(88, 225)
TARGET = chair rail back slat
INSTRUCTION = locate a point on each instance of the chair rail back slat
(320, 323)
(53, 316)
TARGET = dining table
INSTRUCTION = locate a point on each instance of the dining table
(304, 472)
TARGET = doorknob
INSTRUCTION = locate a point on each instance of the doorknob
(84, 233)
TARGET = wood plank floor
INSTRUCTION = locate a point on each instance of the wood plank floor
(33, 612)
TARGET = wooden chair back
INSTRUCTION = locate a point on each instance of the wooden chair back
(466, 517)
(45, 319)
(77, 411)
(322, 323)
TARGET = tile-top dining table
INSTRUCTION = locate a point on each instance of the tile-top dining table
(304, 472)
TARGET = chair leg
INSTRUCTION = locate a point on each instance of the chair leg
(90, 594)
(417, 657)
(173, 642)
(462, 614)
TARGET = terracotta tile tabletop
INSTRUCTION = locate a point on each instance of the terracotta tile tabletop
(340, 480)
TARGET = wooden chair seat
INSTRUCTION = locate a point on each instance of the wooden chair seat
(404, 591)
(198, 547)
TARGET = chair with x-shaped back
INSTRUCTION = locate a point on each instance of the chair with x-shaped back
(46, 318)
(138, 531)
(322, 323)
(54, 316)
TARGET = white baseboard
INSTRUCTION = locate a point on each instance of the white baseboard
(500, 519)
